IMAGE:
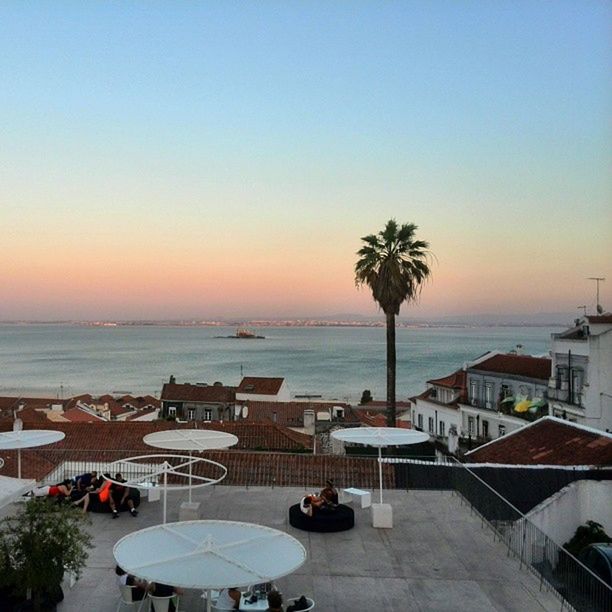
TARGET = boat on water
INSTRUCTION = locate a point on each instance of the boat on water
(242, 333)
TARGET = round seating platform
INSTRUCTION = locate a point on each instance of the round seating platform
(95, 505)
(340, 519)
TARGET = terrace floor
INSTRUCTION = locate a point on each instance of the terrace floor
(438, 557)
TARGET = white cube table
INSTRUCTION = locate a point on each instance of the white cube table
(363, 497)
(189, 511)
(382, 516)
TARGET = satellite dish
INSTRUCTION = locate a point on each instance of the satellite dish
(245, 412)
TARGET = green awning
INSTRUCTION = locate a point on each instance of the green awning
(537, 402)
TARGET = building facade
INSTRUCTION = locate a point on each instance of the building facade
(186, 402)
(580, 387)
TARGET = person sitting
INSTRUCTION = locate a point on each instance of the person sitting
(85, 482)
(310, 504)
(124, 579)
(157, 589)
(120, 495)
(275, 602)
(101, 491)
(229, 599)
(329, 494)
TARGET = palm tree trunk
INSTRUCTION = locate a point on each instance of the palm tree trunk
(390, 369)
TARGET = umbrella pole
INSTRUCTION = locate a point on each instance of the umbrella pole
(190, 468)
(208, 600)
(380, 471)
(18, 463)
(165, 493)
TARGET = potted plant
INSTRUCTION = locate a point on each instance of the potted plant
(37, 545)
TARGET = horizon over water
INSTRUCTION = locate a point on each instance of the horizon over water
(335, 362)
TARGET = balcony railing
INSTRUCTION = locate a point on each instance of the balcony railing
(557, 570)
(563, 395)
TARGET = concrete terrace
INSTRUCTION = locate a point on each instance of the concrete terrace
(438, 557)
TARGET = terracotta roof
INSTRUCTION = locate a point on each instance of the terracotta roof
(311, 471)
(456, 380)
(8, 404)
(139, 402)
(383, 404)
(141, 413)
(548, 441)
(380, 420)
(258, 385)
(426, 395)
(291, 414)
(519, 365)
(198, 393)
(76, 415)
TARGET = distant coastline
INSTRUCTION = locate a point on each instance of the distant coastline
(292, 323)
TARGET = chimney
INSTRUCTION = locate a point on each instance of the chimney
(519, 349)
(309, 421)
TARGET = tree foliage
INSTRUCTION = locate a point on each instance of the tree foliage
(394, 265)
(39, 543)
(366, 397)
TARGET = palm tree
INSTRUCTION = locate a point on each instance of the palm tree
(394, 265)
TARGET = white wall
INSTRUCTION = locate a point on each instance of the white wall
(562, 513)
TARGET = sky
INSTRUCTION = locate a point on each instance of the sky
(198, 159)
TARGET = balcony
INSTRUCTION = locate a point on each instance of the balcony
(564, 395)
(438, 552)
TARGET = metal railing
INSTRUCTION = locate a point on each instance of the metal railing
(557, 570)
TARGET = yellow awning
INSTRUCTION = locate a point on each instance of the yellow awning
(522, 406)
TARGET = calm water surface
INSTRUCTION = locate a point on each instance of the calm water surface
(335, 362)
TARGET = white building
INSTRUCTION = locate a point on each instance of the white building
(479, 402)
(580, 387)
(496, 383)
(437, 410)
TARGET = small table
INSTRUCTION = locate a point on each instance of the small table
(260, 604)
(364, 497)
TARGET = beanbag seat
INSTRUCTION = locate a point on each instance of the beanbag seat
(341, 519)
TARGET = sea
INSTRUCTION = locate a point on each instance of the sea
(51, 360)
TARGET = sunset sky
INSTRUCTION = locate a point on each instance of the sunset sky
(201, 159)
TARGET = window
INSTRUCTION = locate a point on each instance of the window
(471, 425)
(442, 428)
(473, 392)
(577, 380)
(207, 414)
(431, 425)
(501, 430)
(420, 421)
(489, 395)
(191, 414)
(506, 391)
(485, 429)
(171, 411)
(562, 377)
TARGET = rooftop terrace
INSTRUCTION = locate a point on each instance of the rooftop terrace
(437, 557)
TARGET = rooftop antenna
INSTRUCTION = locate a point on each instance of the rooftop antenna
(598, 279)
(583, 308)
